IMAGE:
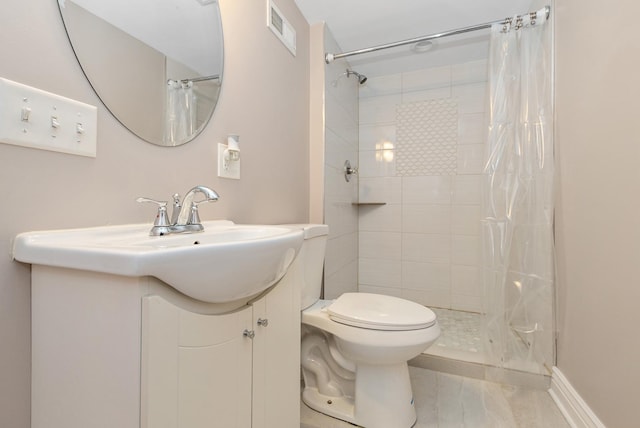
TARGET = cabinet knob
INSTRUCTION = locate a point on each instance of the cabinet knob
(263, 322)
(249, 333)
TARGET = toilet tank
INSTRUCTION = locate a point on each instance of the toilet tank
(311, 260)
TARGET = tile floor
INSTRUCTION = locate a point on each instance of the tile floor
(448, 401)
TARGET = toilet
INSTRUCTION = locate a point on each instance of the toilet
(355, 348)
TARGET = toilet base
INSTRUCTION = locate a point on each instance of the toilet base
(383, 398)
(336, 407)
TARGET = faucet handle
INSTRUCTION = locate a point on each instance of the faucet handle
(159, 203)
(194, 217)
(161, 223)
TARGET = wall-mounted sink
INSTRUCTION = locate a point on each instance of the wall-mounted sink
(225, 262)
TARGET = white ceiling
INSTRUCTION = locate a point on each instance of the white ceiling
(358, 24)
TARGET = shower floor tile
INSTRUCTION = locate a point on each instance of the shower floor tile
(460, 336)
(461, 339)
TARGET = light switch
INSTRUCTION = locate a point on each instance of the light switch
(25, 113)
(38, 119)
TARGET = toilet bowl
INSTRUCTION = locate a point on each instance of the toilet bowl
(355, 348)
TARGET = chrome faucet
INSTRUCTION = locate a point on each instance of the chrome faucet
(184, 218)
(189, 212)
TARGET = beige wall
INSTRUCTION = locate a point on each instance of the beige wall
(264, 99)
(92, 34)
(598, 217)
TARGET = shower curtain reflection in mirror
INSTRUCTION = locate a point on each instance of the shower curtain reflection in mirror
(517, 225)
(180, 112)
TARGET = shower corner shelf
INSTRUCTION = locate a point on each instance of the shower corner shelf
(368, 204)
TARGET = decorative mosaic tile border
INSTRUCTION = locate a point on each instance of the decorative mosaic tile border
(427, 137)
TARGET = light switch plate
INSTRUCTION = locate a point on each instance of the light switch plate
(35, 118)
(232, 170)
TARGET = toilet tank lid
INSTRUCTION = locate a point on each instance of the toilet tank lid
(310, 230)
(380, 312)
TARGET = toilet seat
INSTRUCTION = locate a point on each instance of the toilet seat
(380, 312)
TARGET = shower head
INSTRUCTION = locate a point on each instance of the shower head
(361, 77)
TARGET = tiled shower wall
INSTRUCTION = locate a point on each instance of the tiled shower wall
(421, 152)
(341, 143)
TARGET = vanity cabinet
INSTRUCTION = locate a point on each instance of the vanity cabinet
(276, 356)
(111, 351)
(195, 368)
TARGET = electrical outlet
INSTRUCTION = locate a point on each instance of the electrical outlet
(226, 168)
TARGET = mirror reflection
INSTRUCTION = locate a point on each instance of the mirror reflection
(155, 64)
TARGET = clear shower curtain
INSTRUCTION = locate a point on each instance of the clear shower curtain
(517, 225)
(180, 111)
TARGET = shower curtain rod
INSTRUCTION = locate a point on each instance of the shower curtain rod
(203, 78)
(330, 57)
(197, 79)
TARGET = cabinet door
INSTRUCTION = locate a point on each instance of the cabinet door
(276, 358)
(196, 369)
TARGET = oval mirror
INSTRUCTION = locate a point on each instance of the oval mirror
(155, 64)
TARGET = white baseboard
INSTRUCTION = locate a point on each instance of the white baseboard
(572, 406)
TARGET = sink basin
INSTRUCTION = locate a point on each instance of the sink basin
(225, 262)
